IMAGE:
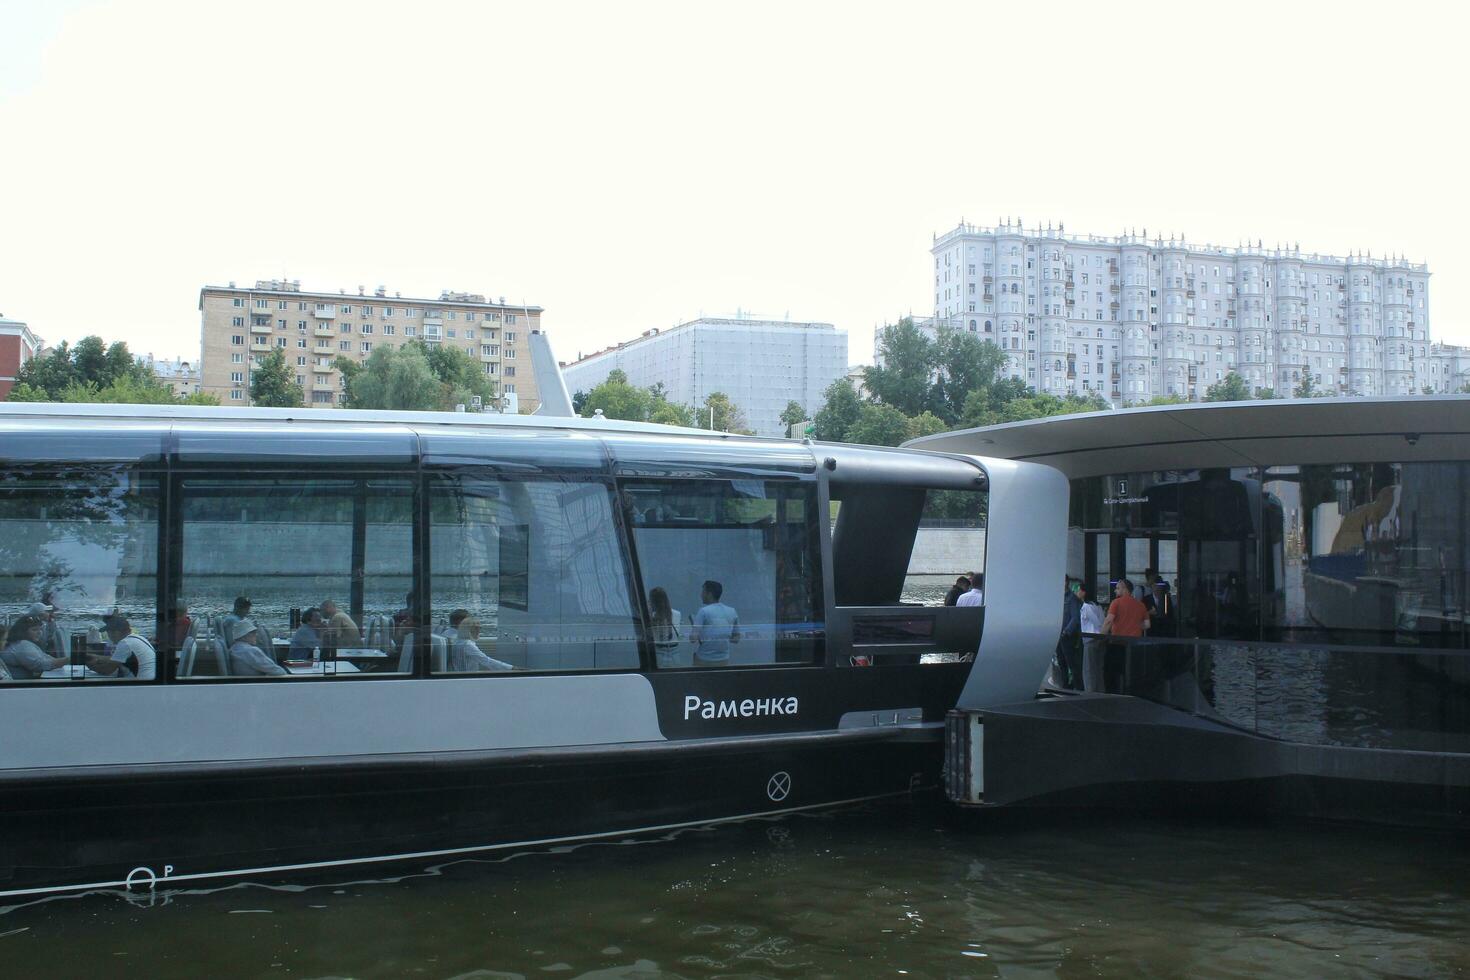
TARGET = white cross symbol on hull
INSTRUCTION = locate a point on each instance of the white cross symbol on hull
(778, 786)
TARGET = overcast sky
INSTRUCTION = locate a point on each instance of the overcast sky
(630, 165)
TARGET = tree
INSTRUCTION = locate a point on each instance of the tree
(1232, 389)
(665, 412)
(792, 414)
(963, 363)
(839, 413)
(619, 399)
(984, 406)
(903, 380)
(394, 380)
(460, 375)
(1161, 400)
(1308, 388)
(579, 402)
(1266, 394)
(927, 424)
(272, 384)
(879, 425)
(726, 415)
(200, 398)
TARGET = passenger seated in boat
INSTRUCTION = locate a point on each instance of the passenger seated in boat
(308, 636)
(341, 630)
(465, 656)
(23, 654)
(228, 620)
(132, 656)
(245, 657)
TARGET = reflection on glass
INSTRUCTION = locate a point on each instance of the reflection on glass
(268, 553)
(77, 543)
(528, 575)
(737, 564)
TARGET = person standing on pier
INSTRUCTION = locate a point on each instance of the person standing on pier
(976, 595)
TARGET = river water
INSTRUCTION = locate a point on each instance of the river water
(909, 888)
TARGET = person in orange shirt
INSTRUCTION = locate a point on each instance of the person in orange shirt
(1126, 615)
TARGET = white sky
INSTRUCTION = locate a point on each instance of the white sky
(630, 165)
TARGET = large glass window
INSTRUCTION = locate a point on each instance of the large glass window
(528, 575)
(949, 545)
(1372, 554)
(78, 562)
(296, 576)
(732, 569)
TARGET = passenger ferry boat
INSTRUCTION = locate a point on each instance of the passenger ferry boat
(652, 628)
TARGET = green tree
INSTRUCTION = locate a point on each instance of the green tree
(927, 424)
(665, 412)
(904, 377)
(272, 384)
(726, 415)
(839, 412)
(23, 392)
(619, 399)
(879, 425)
(1232, 389)
(48, 374)
(792, 414)
(985, 405)
(461, 375)
(1266, 394)
(963, 363)
(1308, 388)
(200, 398)
(1160, 400)
(394, 380)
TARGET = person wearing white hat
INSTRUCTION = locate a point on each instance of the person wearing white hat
(52, 640)
(245, 657)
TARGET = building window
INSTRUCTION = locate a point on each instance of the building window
(367, 328)
(347, 310)
(235, 394)
(237, 321)
(237, 358)
(300, 341)
(237, 340)
(510, 318)
(345, 345)
(510, 335)
(367, 347)
(238, 301)
(301, 325)
(510, 371)
(237, 376)
(388, 329)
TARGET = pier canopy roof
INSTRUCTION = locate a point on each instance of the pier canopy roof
(1297, 431)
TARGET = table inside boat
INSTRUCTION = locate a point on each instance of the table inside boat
(343, 653)
(321, 668)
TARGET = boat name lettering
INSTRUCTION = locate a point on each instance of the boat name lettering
(750, 707)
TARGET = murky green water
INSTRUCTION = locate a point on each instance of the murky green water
(890, 890)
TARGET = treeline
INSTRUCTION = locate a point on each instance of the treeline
(617, 398)
(923, 386)
(94, 371)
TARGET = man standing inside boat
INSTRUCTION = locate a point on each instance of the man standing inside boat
(716, 626)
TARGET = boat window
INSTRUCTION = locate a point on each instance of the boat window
(287, 576)
(528, 575)
(731, 568)
(900, 545)
(78, 556)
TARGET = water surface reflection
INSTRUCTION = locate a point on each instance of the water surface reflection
(896, 889)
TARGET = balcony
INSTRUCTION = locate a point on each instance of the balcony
(987, 280)
(322, 369)
(321, 384)
(260, 326)
(324, 330)
(1113, 305)
(325, 312)
(259, 345)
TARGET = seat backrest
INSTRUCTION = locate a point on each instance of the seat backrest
(221, 656)
(186, 657)
(405, 658)
(438, 654)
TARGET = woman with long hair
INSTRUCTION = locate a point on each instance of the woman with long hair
(666, 621)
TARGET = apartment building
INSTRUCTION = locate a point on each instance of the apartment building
(17, 345)
(761, 364)
(239, 325)
(1131, 317)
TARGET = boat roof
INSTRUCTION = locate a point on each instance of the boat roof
(1300, 431)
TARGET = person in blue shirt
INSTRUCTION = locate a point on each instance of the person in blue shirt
(714, 628)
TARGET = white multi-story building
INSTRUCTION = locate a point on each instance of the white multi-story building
(1131, 318)
(760, 364)
(182, 377)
